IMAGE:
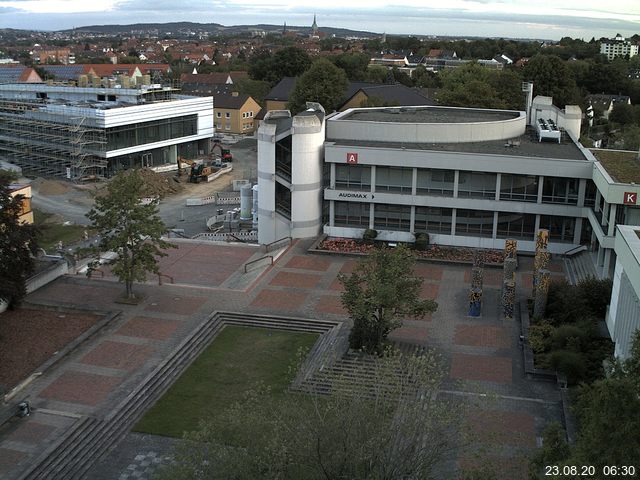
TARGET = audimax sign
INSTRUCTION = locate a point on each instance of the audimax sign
(363, 196)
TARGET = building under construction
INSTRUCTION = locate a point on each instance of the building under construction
(78, 132)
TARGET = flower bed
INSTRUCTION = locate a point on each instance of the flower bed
(347, 245)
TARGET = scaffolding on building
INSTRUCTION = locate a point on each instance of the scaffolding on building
(51, 142)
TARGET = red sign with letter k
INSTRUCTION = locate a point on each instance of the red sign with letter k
(630, 198)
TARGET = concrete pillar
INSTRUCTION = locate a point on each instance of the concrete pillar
(577, 231)
(606, 264)
(494, 232)
(540, 188)
(372, 206)
(414, 183)
(498, 182)
(373, 179)
(612, 220)
(332, 176)
(456, 179)
(412, 220)
(453, 221)
(332, 213)
(582, 190)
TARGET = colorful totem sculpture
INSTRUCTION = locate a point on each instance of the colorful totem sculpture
(477, 279)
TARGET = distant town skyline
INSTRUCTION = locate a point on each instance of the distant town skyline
(483, 18)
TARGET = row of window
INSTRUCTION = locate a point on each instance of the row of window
(148, 132)
(523, 188)
(475, 223)
(228, 114)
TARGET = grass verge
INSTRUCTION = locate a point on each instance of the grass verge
(236, 360)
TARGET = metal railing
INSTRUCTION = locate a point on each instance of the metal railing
(268, 247)
(573, 250)
(270, 257)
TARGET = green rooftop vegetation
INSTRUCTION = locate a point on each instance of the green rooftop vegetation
(623, 167)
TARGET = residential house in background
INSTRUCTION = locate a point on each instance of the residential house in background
(605, 103)
(11, 73)
(618, 47)
(235, 113)
(26, 214)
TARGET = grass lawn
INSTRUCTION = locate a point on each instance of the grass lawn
(52, 233)
(237, 359)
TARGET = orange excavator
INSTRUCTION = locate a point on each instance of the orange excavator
(225, 153)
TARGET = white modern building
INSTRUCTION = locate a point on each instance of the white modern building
(623, 315)
(467, 177)
(73, 132)
(618, 47)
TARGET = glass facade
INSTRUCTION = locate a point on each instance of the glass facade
(435, 182)
(560, 228)
(394, 179)
(149, 132)
(522, 188)
(283, 201)
(392, 217)
(477, 185)
(351, 214)
(560, 190)
(474, 223)
(433, 220)
(283, 158)
(516, 225)
(353, 177)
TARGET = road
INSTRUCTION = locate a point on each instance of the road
(73, 205)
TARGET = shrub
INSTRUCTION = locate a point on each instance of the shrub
(596, 294)
(565, 303)
(572, 364)
(369, 235)
(422, 241)
(540, 336)
(569, 334)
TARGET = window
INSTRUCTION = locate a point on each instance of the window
(153, 131)
(251, 114)
(433, 220)
(351, 214)
(227, 115)
(560, 228)
(435, 182)
(560, 190)
(227, 126)
(477, 185)
(516, 225)
(394, 179)
(392, 217)
(353, 177)
(218, 114)
(590, 194)
(102, 98)
(523, 188)
(474, 223)
(111, 98)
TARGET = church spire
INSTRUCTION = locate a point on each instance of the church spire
(314, 26)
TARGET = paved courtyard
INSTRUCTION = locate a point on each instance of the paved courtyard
(482, 354)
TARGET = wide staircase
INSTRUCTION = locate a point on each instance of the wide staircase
(579, 266)
(352, 373)
(91, 438)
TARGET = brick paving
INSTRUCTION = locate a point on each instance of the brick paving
(503, 428)
(99, 374)
(295, 280)
(148, 327)
(80, 387)
(319, 264)
(481, 367)
(30, 432)
(118, 355)
(279, 300)
(482, 336)
(330, 304)
(175, 304)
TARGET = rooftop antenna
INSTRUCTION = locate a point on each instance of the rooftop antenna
(527, 88)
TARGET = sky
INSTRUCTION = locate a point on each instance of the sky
(484, 18)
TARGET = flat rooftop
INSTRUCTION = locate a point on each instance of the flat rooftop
(430, 115)
(622, 166)
(526, 145)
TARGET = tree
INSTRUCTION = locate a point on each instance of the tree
(288, 62)
(551, 78)
(379, 293)
(17, 245)
(388, 424)
(473, 85)
(129, 228)
(323, 83)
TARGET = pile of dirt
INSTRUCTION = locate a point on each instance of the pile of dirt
(158, 184)
(51, 187)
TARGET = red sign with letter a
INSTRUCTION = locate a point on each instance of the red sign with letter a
(352, 158)
(630, 198)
